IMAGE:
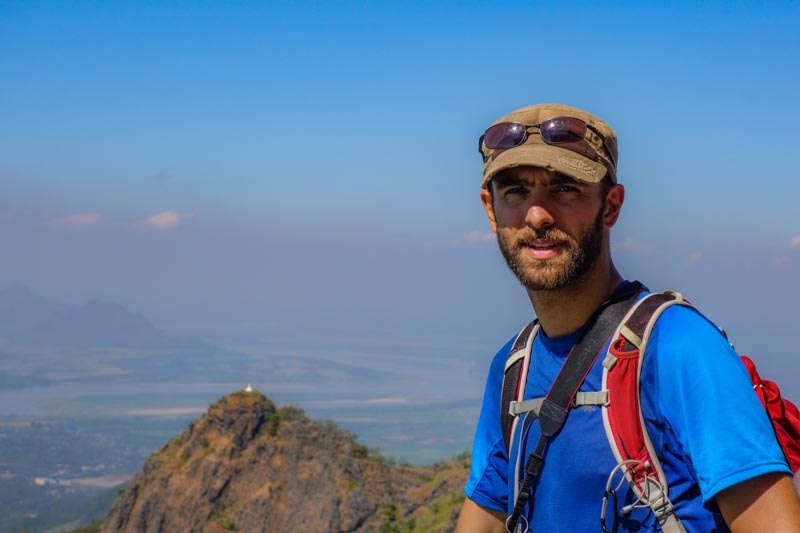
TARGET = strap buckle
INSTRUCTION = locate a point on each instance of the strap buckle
(519, 525)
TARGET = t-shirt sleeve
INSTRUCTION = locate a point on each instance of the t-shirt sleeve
(707, 398)
(488, 479)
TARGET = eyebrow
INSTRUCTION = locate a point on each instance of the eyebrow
(511, 179)
(507, 179)
(561, 179)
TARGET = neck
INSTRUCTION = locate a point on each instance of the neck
(563, 311)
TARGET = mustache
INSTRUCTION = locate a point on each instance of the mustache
(545, 234)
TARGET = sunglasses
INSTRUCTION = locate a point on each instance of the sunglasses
(566, 132)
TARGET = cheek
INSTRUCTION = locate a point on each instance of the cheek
(513, 216)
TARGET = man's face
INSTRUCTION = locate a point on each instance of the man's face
(550, 228)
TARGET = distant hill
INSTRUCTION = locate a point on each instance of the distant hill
(21, 309)
(249, 466)
(27, 319)
(96, 324)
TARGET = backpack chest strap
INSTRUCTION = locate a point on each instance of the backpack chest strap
(533, 406)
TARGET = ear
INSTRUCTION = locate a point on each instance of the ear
(613, 205)
(486, 199)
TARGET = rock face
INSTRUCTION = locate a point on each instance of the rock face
(249, 466)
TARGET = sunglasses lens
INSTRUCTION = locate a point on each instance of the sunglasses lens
(562, 130)
(504, 135)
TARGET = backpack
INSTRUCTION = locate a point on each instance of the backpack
(622, 417)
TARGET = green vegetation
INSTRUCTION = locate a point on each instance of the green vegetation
(463, 458)
(174, 441)
(275, 418)
(227, 523)
(440, 512)
(94, 527)
(392, 522)
(437, 516)
(360, 451)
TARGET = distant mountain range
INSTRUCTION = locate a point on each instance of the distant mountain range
(27, 319)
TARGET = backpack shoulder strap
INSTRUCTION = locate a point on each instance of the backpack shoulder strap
(515, 377)
(622, 416)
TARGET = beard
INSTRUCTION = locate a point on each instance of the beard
(562, 271)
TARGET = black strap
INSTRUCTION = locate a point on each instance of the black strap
(556, 405)
(639, 319)
(511, 381)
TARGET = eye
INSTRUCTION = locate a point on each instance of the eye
(514, 194)
(565, 188)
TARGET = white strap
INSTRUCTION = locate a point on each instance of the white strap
(663, 508)
(591, 398)
(513, 358)
(630, 336)
(670, 523)
(535, 405)
(526, 406)
(609, 361)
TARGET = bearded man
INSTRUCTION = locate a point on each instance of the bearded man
(551, 195)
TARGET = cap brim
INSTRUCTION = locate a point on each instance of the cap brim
(549, 157)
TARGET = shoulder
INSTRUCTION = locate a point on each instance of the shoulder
(683, 329)
(686, 348)
(497, 368)
(696, 384)
(488, 481)
(494, 385)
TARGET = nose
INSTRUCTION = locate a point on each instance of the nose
(538, 216)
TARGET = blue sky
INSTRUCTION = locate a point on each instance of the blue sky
(265, 165)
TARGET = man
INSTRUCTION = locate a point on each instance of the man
(551, 194)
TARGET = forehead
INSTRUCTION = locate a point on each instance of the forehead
(533, 176)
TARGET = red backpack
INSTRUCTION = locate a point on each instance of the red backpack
(621, 411)
(784, 415)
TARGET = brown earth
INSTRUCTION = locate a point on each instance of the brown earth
(249, 466)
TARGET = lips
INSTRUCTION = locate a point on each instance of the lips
(542, 249)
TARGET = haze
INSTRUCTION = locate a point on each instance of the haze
(308, 172)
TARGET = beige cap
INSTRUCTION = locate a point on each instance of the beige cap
(535, 152)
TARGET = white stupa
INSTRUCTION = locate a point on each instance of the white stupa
(249, 388)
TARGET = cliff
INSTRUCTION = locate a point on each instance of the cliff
(249, 466)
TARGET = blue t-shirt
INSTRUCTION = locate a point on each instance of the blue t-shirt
(708, 429)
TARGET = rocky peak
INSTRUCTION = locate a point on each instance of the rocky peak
(238, 416)
(247, 465)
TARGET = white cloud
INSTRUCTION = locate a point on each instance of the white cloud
(694, 257)
(473, 238)
(779, 263)
(480, 237)
(399, 438)
(389, 400)
(796, 241)
(163, 221)
(79, 220)
(630, 245)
